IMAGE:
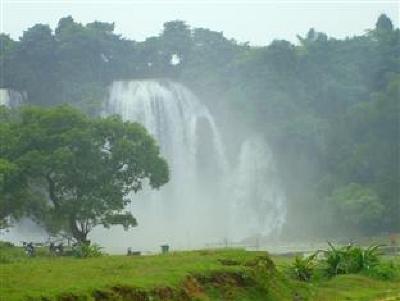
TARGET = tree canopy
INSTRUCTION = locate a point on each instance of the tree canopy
(75, 172)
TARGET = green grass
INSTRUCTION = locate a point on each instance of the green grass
(53, 276)
(50, 277)
(356, 287)
(9, 254)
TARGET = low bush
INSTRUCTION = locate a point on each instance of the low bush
(303, 267)
(350, 259)
(84, 250)
(385, 271)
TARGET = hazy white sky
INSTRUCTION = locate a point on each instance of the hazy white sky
(256, 21)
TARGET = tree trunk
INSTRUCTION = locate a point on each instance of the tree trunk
(78, 234)
(52, 191)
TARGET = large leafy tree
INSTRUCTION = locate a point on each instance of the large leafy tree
(80, 171)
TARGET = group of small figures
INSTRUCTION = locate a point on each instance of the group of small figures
(29, 248)
(133, 253)
(54, 249)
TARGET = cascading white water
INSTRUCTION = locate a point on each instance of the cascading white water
(205, 201)
(11, 98)
(258, 200)
(185, 212)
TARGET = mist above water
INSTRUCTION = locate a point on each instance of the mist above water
(208, 199)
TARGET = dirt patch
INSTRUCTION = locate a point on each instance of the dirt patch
(228, 284)
(71, 297)
(130, 293)
(104, 296)
(127, 293)
(218, 279)
(192, 289)
(164, 293)
(227, 279)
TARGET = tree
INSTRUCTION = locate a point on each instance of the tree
(176, 40)
(6, 47)
(384, 24)
(34, 65)
(358, 206)
(80, 171)
(387, 47)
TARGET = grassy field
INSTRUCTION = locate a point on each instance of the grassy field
(198, 275)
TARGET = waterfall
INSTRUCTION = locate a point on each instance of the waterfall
(207, 199)
(11, 98)
(258, 201)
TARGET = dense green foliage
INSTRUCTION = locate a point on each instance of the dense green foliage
(303, 267)
(341, 260)
(350, 259)
(71, 172)
(329, 108)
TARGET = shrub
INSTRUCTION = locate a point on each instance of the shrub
(85, 250)
(370, 257)
(303, 267)
(385, 271)
(262, 271)
(350, 259)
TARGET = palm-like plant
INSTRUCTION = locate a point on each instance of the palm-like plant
(350, 259)
(303, 268)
